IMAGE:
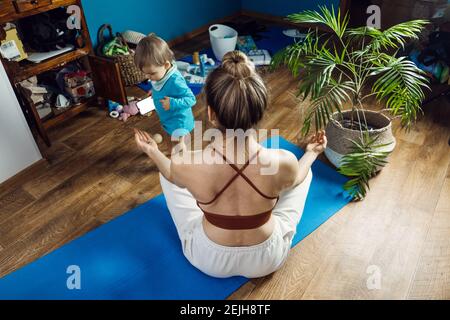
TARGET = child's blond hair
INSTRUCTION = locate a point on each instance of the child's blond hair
(152, 51)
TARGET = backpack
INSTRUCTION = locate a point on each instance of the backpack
(47, 31)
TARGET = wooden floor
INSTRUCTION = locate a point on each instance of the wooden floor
(400, 232)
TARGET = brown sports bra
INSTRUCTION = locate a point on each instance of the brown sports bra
(237, 222)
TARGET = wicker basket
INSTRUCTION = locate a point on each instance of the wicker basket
(338, 136)
(130, 73)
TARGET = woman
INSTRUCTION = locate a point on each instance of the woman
(232, 219)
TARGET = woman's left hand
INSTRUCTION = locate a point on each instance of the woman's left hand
(145, 142)
(317, 143)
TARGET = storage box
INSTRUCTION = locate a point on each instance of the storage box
(85, 90)
(259, 57)
(246, 44)
(12, 47)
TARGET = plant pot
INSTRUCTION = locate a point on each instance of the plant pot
(338, 136)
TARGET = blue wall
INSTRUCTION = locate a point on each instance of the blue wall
(172, 18)
(285, 7)
(167, 18)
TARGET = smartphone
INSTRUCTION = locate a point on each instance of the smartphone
(146, 105)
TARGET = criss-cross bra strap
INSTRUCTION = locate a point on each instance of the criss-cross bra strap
(238, 172)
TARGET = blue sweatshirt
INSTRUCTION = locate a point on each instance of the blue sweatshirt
(179, 115)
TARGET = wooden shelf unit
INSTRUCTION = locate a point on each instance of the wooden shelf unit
(9, 11)
(72, 111)
(33, 69)
(14, 10)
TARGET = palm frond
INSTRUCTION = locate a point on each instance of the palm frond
(326, 16)
(400, 33)
(319, 75)
(296, 55)
(361, 32)
(401, 82)
(394, 37)
(362, 164)
(331, 97)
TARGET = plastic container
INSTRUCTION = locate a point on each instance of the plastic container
(223, 39)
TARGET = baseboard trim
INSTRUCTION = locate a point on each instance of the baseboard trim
(281, 20)
(253, 14)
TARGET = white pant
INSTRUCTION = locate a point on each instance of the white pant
(222, 261)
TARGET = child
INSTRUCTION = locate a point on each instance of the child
(172, 97)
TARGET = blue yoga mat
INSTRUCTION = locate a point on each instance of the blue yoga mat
(272, 40)
(138, 255)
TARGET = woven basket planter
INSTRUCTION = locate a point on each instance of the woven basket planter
(131, 74)
(338, 143)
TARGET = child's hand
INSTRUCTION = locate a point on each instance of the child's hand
(150, 93)
(317, 143)
(165, 103)
(144, 142)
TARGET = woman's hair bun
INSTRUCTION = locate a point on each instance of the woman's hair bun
(236, 93)
(237, 64)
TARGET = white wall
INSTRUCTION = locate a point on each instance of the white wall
(18, 149)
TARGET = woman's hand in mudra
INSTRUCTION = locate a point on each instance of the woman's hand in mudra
(145, 142)
(317, 143)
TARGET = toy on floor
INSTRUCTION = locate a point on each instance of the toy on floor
(120, 112)
(204, 67)
(259, 57)
(196, 58)
(158, 138)
(246, 44)
(128, 111)
(114, 109)
(196, 74)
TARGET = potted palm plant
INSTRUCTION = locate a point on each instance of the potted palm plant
(345, 67)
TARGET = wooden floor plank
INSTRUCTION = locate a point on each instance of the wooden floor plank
(82, 122)
(243, 293)
(59, 152)
(68, 191)
(39, 244)
(139, 192)
(14, 201)
(427, 175)
(91, 153)
(79, 216)
(291, 281)
(386, 235)
(432, 277)
(30, 173)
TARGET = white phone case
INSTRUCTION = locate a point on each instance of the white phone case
(146, 105)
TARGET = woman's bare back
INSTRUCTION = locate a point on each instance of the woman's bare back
(239, 198)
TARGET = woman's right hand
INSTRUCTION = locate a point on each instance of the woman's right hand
(317, 143)
(145, 142)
